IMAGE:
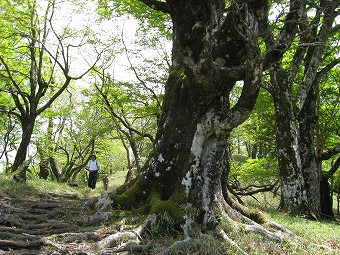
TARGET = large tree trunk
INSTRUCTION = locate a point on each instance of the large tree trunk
(186, 172)
(308, 102)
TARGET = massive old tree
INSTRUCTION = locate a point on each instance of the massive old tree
(214, 46)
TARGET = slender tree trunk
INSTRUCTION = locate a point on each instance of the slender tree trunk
(27, 131)
(326, 198)
(136, 154)
(55, 168)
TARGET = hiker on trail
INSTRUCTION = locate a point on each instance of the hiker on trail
(93, 168)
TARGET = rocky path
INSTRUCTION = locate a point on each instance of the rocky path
(51, 224)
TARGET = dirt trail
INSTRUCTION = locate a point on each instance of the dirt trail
(51, 224)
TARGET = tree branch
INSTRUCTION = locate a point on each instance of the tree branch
(14, 94)
(264, 188)
(334, 167)
(157, 5)
(278, 48)
(330, 153)
(153, 94)
(121, 120)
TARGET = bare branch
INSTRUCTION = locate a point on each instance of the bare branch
(121, 120)
(154, 96)
(335, 166)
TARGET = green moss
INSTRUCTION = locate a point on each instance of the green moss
(121, 201)
(257, 216)
(158, 206)
(140, 200)
(178, 198)
(132, 198)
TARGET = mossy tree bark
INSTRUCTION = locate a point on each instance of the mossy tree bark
(213, 49)
(296, 112)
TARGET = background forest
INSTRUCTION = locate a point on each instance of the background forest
(85, 77)
(105, 75)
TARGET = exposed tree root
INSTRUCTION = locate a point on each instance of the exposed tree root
(135, 234)
(129, 248)
(231, 218)
(226, 238)
(75, 237)
(177, 246)
(66, 237)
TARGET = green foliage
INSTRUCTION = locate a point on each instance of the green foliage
(329, 108)
(128, 109)
(148, 18)
(256, 171)
(336, 183)
(256, 136)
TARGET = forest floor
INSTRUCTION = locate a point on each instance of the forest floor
(50, 222)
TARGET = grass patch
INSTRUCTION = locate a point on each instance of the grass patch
(311, 237)
(326, 232)
(35, 186)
